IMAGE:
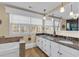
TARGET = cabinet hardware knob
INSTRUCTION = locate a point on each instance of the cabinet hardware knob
(59, 53)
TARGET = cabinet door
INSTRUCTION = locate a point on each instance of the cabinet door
(54, 49)
(69, 51)
(47, 47)
(64, 53)
(44, 44)
(37, 41)
(41, 43)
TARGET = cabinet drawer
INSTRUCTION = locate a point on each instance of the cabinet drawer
(48, 50)
(54, 49)
(69, 50)
(46, 46)
(65, 54)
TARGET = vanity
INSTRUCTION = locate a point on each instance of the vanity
(58, 46)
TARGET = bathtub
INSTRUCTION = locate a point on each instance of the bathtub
(9, 49)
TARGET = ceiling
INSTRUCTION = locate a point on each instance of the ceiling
(65, 14)
(36, 6)
(40, 6)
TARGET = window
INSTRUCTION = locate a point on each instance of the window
(36, 25)
(57, 24)
(20, 24)
(49, 26)
(24, 24)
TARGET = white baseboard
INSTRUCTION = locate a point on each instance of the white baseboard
(30, 45)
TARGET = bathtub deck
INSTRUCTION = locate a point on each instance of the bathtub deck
(9, 49)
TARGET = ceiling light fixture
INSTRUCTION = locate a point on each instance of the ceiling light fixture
(44, 14)
(71, 12)
(44, 17)
(52, 19)
(76, 15)
(62, 8)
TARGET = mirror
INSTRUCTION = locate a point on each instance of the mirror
(72, 25)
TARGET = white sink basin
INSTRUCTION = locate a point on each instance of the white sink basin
(67, 42)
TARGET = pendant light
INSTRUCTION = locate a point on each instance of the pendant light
(77, 14)
(62, 8)
(44, 17)
(52, 19)
(71, 12)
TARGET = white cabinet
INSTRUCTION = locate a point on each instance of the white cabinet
(54, 49)
(46, 46)
(39, 42)
(59, 50)
(64, 54)
(67, 51)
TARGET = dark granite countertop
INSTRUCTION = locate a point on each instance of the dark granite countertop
(9, 39)
(74, 45)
